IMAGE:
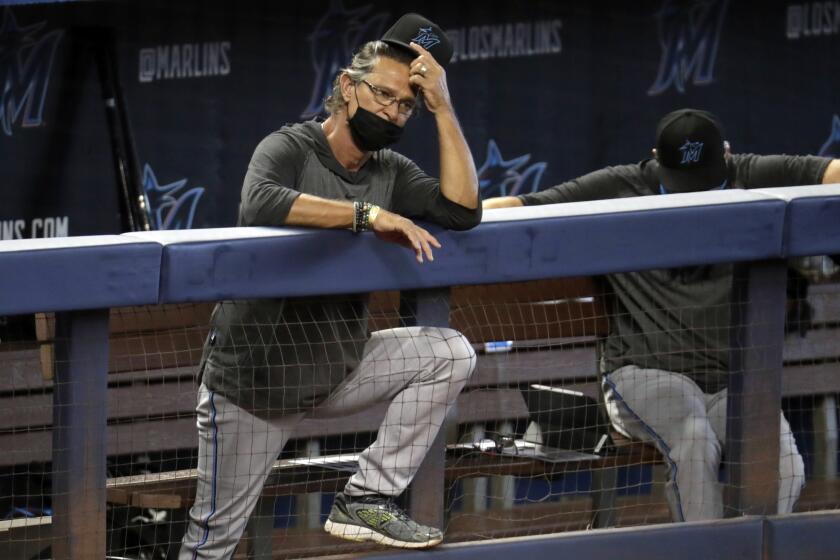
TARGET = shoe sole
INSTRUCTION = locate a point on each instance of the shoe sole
(361, 534)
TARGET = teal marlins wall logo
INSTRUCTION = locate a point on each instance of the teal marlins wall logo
(500, 177)
(331, 45)
(170, 206)
(689, 33)
(26, 58)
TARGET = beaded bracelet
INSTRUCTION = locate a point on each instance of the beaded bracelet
(361, 216)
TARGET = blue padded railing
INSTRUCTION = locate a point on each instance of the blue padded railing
(72, 273)
(515, 244)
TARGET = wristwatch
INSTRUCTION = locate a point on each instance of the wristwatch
(374, 212)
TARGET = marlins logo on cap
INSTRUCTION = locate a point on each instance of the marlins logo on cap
(414, 28)
(426, 38)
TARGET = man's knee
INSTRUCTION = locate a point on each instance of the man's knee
(454, 350)
(798, 470)
(791, 464)
(692, 437)
(791, 480)
(792, 469)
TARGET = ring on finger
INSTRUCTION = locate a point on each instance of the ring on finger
(423, 69)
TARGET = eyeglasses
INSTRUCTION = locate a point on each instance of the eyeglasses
(404, 108)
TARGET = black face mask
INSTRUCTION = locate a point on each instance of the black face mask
(370, 132)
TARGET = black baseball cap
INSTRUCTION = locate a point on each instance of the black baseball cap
(689, 148)
(414, 28)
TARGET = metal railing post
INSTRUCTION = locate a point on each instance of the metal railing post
(428, 308)
(79, 434)
(755, 389)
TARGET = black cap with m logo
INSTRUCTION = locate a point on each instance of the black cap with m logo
(414, 28)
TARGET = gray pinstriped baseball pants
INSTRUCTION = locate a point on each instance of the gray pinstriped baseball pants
(688, 427)
(420, 370)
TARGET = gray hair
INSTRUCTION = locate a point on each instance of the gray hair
(362, 64)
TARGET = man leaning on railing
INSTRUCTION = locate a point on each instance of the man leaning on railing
(666, 357)
(268, 364)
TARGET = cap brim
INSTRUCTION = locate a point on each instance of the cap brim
(690, 180)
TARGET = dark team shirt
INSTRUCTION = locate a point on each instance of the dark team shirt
(280, 356)
(676, 319)
(298, 159)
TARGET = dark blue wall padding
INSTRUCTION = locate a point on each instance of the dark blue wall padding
(77, 273)
(809, 536)
(737, 539)
(516, 244)
(813, 221)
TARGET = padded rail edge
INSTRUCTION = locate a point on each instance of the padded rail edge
(519, 244)
(70, 273)
(513, 245)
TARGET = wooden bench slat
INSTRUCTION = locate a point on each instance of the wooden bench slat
(133, 401)
(169, 434)
(139, 319)
(820, 379)
(527, 321)
(20, 370)
(508, 369)
(825, 303)
(817, 344)
(154, 318)
(532, 290)
(123, 439)
(150, 351)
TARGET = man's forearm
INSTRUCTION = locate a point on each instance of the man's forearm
(502, 202)
(313, 211)
(458, 178)
(832, 172)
